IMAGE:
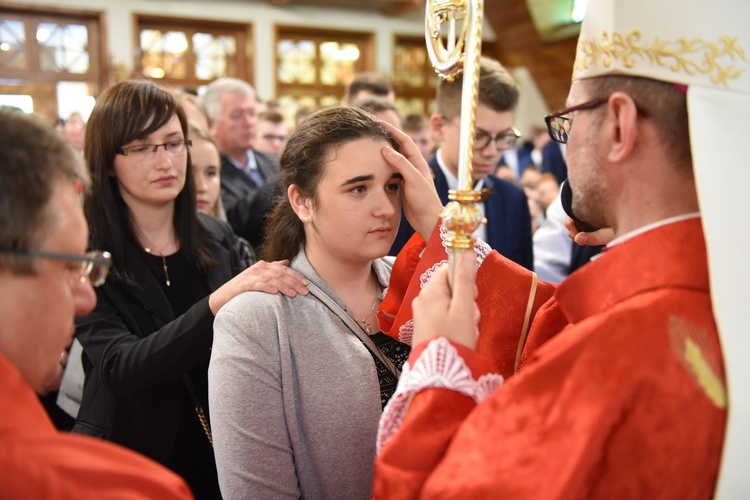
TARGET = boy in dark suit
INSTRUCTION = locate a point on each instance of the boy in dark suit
(508, 228)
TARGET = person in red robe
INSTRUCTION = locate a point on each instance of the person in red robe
(610, 385)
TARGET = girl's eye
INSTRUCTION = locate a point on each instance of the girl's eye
(395, 187)
(359, 190)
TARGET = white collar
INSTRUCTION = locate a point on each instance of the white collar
(251, 163)
(636, 232)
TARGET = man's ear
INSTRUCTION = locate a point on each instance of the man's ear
(437, 122)
(301, 205)
(623, 113)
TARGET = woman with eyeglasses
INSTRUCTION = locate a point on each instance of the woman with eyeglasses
(147, 343)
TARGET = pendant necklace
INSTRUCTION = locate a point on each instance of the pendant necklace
(149, 251)
(365, 325)
(164, 264)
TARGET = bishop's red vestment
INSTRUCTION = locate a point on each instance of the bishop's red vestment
(621, 392)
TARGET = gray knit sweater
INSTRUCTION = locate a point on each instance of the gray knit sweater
(294, 397)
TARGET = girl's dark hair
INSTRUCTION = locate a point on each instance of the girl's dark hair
(125, 112)
(302, 164)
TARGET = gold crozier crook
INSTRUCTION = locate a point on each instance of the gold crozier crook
(459, 54)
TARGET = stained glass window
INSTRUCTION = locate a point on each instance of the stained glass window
(296, 61)
(164, 53)
(13, 45)
(338, 62)
(41, 51)
(63, 47)
(315, 66)
(192, 53)
(414, 79)
(214, 54)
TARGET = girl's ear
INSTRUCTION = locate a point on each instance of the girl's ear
(301, 204)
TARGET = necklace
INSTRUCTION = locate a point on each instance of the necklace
(164, 264)
(365, 325)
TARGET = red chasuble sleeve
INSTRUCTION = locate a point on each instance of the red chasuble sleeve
(434, 414)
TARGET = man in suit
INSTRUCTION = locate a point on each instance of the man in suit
(508, 228)
(248, 177)
(553, 161)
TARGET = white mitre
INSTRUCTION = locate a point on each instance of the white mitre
(702, 45)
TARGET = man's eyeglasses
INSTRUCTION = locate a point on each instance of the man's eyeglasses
(94, 265)
(503, 141)
(558, 124)
(148, 151)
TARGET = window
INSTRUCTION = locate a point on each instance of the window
(192, 53)
(315, 66)
(414, 79)
(51, 62)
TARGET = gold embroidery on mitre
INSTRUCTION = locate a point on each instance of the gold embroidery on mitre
(696, 353)
(693, 57)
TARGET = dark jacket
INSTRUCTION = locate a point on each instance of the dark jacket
(553, 161)
(136, 351)
(245, 204)
(507, 213)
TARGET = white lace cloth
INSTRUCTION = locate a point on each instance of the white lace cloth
(439, 366)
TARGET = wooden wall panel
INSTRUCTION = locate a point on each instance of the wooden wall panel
(518, 44)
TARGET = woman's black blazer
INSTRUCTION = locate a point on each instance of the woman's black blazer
(136, 351)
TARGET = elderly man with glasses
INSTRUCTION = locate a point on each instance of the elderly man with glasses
(46, 279)
(508, 228)
(613, 384)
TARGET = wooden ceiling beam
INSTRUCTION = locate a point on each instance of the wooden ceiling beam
(399, 7)
(386, 7)
(519, 44)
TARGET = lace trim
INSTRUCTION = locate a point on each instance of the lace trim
(427, 275)
(481, 248)
(439, 366)
(387, 315)
(406, 332)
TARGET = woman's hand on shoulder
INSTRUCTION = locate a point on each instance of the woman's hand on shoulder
(268, 277)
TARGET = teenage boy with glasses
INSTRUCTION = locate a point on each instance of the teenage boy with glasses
(508, 228)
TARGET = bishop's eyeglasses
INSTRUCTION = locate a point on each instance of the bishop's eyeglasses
(94, 265)
(558, 124)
